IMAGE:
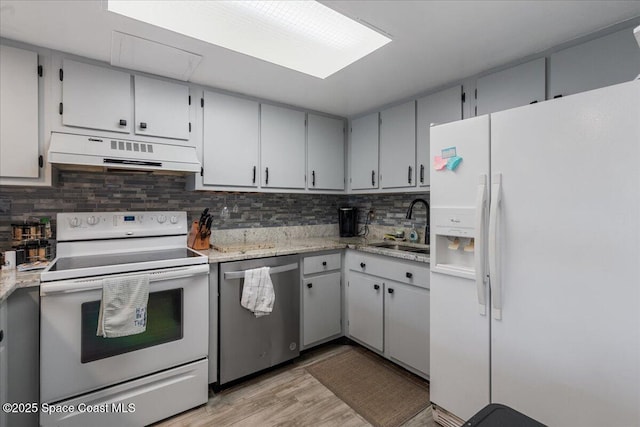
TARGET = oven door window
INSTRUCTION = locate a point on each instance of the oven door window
(164, 324)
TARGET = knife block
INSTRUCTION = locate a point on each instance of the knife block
(195, 240)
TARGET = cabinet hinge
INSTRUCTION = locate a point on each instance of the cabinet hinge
(60, 108)
(189, 99)
(40, 161)
(189, 126)
(475, 93)
(201, 171)
(61, 74)
(202, 102)
(40, 70)
(464, 96)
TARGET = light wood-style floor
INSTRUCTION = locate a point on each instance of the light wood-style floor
(288, 396)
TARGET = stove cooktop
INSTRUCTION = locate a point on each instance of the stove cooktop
(93, 265)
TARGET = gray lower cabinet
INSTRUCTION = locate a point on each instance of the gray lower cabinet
(3, 361)
(365, 310)
(321, 296)
(214, 291)
(407, 324)
(388, 303)
(22, 349)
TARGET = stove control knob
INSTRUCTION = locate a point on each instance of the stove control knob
(75, 222)
(92, 220)
(174, 219)
(162, 219)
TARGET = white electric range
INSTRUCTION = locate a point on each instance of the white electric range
(132, 380)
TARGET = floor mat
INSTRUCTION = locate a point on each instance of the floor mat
(380, 392)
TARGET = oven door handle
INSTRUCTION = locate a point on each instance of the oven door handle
(82, 285)
(272, 270)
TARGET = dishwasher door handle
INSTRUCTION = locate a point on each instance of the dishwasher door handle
(273, 270)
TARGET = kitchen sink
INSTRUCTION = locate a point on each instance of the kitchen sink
(401, 247)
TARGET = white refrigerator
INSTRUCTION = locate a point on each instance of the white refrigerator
(535, 268)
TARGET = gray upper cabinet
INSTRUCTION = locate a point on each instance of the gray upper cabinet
(398, 146)
(100, 98)
(441, 107)
(364, 152)
(19, 145)
(325, 153)
(95, 97)
(231, 137)
(161, 108)
(282, 151)
(514, 87)
(605, 61)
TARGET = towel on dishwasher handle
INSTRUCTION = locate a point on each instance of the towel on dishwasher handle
(123, 308)
(257, 294)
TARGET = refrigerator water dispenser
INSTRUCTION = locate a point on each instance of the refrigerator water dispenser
(454, 232)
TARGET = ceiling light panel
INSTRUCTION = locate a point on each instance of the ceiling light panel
(305, 35)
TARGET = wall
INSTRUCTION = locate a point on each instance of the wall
(391, 209)
(113, 191)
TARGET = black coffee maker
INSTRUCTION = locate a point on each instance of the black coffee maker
(348, 221)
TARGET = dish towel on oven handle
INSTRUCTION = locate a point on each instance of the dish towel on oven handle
(123, 308)
(257, 294)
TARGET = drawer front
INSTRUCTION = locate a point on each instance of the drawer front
(412, 273)
(321, 263)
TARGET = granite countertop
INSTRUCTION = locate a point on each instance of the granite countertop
(13, 279)
(314, 245)
(10, 280)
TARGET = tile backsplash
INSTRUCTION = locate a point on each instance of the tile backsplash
(115, 191)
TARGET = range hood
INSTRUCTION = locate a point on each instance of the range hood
(105, 152)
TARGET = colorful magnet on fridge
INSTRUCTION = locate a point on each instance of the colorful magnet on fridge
(439, 163)
(453, 162)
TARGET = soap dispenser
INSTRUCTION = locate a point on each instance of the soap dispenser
(413, 235)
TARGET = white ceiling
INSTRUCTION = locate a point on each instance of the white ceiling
(434, 42)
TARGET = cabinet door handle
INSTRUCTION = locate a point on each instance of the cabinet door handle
(324, 263)
(1, 335)
(143, 125)
(409, 176)
(390, 290)
(254, 175)
(373, 178)
(266, 176)
(421, 174)
(363, 265)
(313, 178)
(376, 287)
(309, 285)
(123, 122)
(409, 275)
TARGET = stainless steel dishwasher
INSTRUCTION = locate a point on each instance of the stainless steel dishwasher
(249, 344)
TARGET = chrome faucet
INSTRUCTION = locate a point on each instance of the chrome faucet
(410, 212)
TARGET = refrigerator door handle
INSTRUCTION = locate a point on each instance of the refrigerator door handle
(481, 205)
(494, 269)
